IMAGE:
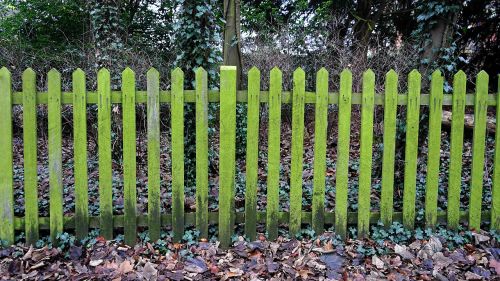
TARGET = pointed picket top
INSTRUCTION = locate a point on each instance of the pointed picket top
(460, 74)
(200, 71)
(322, 71)
(4, 71)
(369, 74)
(299, 73)
(177, 71)
(276, 70)
(346, 73)
(392, 74)
(482, 75)
(436, 73)
(103, 71)
(54, 73)
(29, 72)
(128, 72)
(78, 73)
(254, 70)
(153, 72)
(415, 74)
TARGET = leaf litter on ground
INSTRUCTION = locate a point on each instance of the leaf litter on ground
(321, 258)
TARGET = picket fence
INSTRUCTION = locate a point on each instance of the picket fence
(228, 97)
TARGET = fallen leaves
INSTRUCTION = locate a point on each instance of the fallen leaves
(284, 259)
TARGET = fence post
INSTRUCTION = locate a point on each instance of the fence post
(411, 149)
(227, 153)
(320, 136)
(202, 151)
(366, 148)
(55, 154)
(6, 171)
(343, 144)
(129, 156)
(30, 156)
(478, 149)
(153, 135)
(273, 153)
(299, 85)
(389, 144)
(252, 157)
(104, 146)
(456, 149)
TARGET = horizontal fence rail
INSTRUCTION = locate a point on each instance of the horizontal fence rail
(226, 217)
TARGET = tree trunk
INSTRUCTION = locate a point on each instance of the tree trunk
(232, 37)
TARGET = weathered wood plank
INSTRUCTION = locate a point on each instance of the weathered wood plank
(299, 84)
(389, 142)
(227, 153)
(6, 169)
(434, 149)
(129, 157)
(177, 120)
(202, 152)
(252, 153)
(366, 143)
(30, 156)
(104, 146)
(320, 136)
(456, 150)
(343, 144)
(411, 149)
(55, 154)
(153, 120)
(80, 154)
(478, 149)
(273, 153)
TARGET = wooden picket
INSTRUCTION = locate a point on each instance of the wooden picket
(153, 120)
(104, 146)
(252, 157)
(55, 154)
(273, 153)
(228, 97)
(6, 169)
(30, 156)
(456, 148)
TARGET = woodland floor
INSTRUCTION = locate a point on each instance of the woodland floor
(459, 256)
